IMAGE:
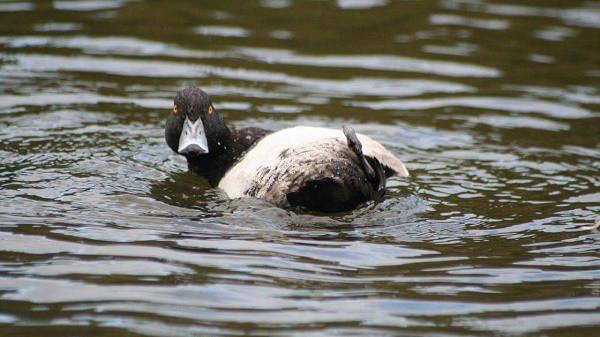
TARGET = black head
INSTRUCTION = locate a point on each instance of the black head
(194, 128)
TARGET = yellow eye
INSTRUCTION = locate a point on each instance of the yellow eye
(174, 109)
(210, 110)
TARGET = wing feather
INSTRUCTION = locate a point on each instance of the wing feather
(374, 149)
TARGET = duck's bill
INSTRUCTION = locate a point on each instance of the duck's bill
(192, 140)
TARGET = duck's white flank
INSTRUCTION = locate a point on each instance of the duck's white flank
(266, 154)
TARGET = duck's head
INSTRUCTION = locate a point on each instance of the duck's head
(194, 127)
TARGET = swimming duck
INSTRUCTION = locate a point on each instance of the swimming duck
(317, 168)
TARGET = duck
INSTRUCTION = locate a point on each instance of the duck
(314, 168)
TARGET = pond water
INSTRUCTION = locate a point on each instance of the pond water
(494, 106)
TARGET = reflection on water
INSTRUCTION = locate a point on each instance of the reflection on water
(493, 105)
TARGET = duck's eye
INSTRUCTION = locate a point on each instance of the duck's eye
(175, 109)
(210, 110)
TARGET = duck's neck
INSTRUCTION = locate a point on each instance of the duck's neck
(224, 153)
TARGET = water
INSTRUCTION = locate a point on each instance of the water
(493, 106)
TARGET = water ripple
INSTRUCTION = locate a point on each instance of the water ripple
(492, 106)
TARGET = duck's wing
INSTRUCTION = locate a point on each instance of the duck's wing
(393, 165)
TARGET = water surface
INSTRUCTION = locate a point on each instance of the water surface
(493, 106)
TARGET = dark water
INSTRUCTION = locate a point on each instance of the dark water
(493, 106)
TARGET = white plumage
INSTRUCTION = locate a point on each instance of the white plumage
(265, 156)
